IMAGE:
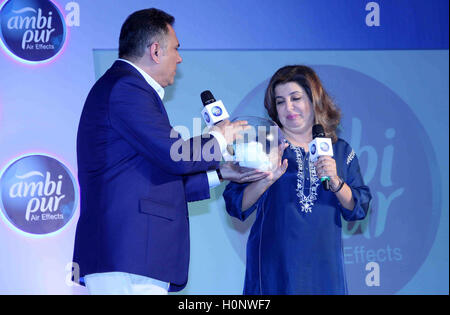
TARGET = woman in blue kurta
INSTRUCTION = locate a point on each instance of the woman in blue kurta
(295, 244)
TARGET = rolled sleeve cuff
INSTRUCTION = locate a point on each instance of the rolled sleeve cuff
(213, 179)
(358, 213)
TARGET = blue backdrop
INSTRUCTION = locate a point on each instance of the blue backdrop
(384, 62)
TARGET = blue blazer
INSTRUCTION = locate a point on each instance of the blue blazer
(134, 215)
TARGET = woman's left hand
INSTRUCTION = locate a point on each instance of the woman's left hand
(326, 166)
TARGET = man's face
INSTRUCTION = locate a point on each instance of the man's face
(169, 58)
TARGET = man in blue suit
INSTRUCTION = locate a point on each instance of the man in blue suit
(132, 236)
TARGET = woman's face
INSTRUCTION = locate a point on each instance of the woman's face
(295, 110)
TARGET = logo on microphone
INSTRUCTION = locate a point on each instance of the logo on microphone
(207, 118)
(38, 194)
(313, 149)
(32, 31)
(216, 111)
(324, 147)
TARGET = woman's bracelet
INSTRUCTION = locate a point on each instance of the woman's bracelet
(341, 184)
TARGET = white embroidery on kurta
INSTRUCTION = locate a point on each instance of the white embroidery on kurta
(350, 157)
(306, 202)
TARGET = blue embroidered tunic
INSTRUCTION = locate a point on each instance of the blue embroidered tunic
(295, 244)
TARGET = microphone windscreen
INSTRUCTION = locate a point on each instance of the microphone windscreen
(207, 97)
(317, 131)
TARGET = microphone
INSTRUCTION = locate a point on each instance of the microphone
(320, 146)
(213, 111)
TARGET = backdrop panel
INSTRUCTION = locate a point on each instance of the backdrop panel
(384, 62)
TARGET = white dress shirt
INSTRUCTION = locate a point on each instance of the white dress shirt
(213, 178)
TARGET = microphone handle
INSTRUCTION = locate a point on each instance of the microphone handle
(325, 182)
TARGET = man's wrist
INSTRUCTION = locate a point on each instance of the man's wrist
(219, 174)
(213, 179)
(222, 144)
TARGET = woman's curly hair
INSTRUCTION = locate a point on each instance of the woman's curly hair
(326, 112)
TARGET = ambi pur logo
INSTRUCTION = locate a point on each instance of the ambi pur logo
(324, 146)
(38, 194)
(32, 30)
(217, 111)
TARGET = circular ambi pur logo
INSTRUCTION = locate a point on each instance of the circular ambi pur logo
(206, 116)
(32, 31)
(324, 146)
(217, 111)
(38, 194)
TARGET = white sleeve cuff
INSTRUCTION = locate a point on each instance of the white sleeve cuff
(222, 144)
(221, 139)
(213, 179)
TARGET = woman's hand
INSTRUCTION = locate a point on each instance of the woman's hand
(326, 167)
(281, 166)
(254, 191)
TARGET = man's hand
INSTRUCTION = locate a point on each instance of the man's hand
(231, 130)
(233, 172)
